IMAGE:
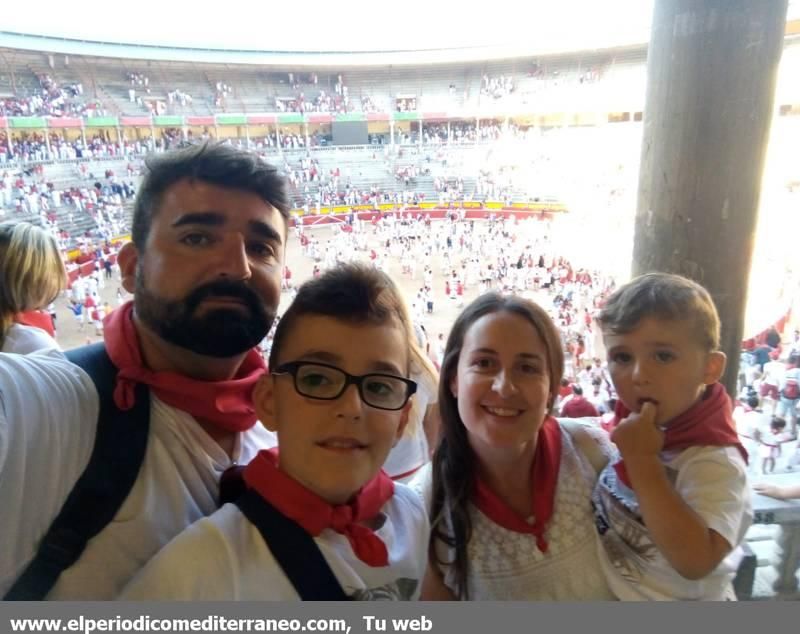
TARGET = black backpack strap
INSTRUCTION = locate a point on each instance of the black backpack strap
(294, 549)
(97, 496)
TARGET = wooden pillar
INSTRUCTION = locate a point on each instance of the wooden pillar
(711, 68)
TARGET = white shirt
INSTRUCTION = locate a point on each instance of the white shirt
(22, 339)
(773, 372)
(48, 421)
(225, 558)
(507, 566)
(712, 481)
(411, 450)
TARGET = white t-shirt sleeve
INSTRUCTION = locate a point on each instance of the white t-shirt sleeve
(21, 339)
(48, 421)
(592, 442)
(196, 565)
(422, 485)
(713, 482)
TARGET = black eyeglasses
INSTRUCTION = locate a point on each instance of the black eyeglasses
(327, 383)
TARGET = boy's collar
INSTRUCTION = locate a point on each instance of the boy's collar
(315, 514)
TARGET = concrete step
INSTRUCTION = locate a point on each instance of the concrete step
(762, 586)
(765, 551)
(760, 532)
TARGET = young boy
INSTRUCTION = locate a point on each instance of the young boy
(676, 504)
(338, 399)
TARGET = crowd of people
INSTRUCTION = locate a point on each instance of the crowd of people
(33, 147)
(465, 255)
(769, 404)
(301, 92)
(497, 87)
(91, 207)
(30, 146)
(51, 100)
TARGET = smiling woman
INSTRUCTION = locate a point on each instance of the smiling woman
(509, 488)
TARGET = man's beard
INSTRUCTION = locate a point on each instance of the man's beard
(221, 332)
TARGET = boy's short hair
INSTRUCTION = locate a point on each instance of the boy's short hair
(663, 296)
(350, 292)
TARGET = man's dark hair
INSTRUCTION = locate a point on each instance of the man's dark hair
(214, 163)
(577, 390)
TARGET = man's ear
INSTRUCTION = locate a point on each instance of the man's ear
(264, 402)
(715, 367)
(127, 259)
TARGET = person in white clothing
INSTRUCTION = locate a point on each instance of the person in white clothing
(771, 379)
(509, 486)
(23, 339)
(675, 503)
(751, 422)
(32, 275)
(412, 450)
(337, 409)
(209, 232)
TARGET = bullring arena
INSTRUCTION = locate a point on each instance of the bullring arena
(516, 173)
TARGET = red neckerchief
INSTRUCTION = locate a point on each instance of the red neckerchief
(314, 514)
(226, 404)
(37, 319)
(709, 422)
(544, 475)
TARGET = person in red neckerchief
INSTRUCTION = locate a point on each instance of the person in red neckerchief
(337, 409)
(677, 503)
(31, 277)
(509, 487)
(204, 267)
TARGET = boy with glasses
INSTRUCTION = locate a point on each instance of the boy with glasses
(338, 399)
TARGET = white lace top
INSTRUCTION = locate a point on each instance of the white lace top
(504, 565)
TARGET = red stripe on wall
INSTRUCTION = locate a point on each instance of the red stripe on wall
(63, 122)
(257, 119)
(135, 121)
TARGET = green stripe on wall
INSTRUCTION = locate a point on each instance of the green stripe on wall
(231, 119)
(27, 122)
(406, 116)
(173, 120)
(290, 117)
